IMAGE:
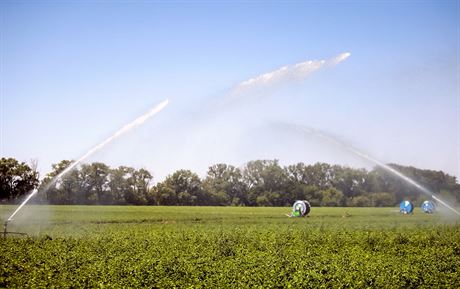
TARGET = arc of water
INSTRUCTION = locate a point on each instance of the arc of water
(22, 204)
(367, 157)
(288, 72)
(135, 123)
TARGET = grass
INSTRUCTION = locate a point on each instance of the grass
(233, 247)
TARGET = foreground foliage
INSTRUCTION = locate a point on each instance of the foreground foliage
(172, 247)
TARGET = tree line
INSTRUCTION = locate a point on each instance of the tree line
(258, 183)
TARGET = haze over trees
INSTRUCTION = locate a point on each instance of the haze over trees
(258, 183)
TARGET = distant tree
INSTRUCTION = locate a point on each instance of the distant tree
(375, 181)
(305, 182)
(351, 182)
(319, 175)
(263, 200)
(95, 183)
(63, 190)
(181, 188)
(332, 198)
(382, 199)
(266, 178)
(360, 201)
(224, 186)
(120, 184)
(16, 179)
(259, 183)
(299, 191)
(139, 192)
(434, 181)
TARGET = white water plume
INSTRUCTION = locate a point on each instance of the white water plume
(34, 192)
(135, 123)
(296, 71)
(308, 130)
(222, 121)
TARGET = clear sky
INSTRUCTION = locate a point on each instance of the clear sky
(73, 72)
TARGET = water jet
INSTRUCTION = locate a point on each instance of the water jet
(311, 131)
(137, 122)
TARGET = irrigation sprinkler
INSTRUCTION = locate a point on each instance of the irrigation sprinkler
(428, 207)
(406, 207)
(300, 209)
(388, 168)
(5, 230)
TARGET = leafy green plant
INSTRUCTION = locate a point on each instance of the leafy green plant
(190, 247)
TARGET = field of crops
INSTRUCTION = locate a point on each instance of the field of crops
(227, 247)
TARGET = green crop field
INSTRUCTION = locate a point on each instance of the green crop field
(228, 247)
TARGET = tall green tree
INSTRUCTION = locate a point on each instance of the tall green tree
(332, 198)
(181, 188)
(267, 183)
(64, 190)
(121, 184)
(140, 187)
(351, 182)
(16, 179)
(305, 182)
(320, 175)
(95, 183)
(224, 186)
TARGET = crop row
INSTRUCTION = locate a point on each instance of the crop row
(236, 256)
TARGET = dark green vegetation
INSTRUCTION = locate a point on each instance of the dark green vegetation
(258, 183)
(190, 247)
(16, 178)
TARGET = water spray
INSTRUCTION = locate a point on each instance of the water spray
(33, 193)
(309, 130)
(297, 71)
(135, 123)
(445, 204)
(5, 231)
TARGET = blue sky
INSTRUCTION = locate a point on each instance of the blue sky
(72, 73)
